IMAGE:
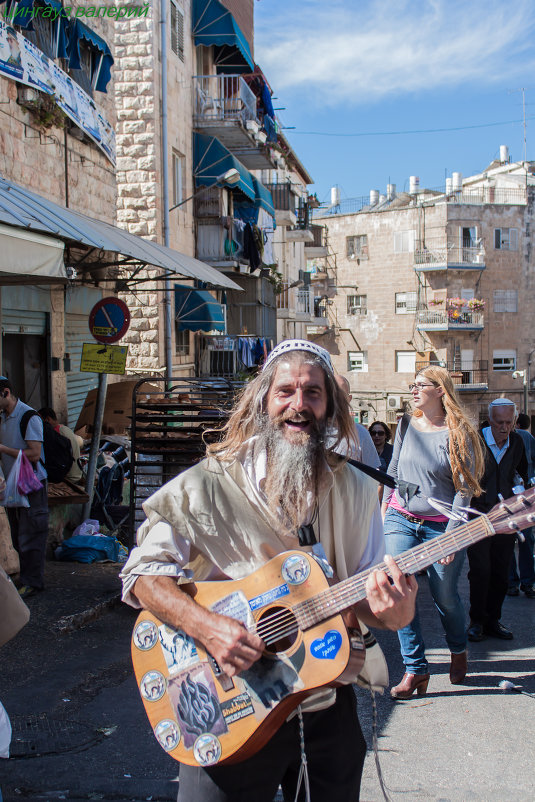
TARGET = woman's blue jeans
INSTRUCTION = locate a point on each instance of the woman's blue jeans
(400, 535)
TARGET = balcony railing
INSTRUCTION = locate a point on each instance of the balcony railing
(444, 255)
(284, 199)
(301, 301)
(465, 375)
(223, 97)
(320, 237)
(450, 319)
(480, 195)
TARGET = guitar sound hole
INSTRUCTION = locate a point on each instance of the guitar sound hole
(278, 629)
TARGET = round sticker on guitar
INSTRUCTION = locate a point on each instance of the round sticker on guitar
(152, 686)
(295, 569)
(207, 749)
(145, 635)
(168, 734)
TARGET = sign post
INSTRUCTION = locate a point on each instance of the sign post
(108, 322)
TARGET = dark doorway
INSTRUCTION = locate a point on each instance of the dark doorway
(24, 360)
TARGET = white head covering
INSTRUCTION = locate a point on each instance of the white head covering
(300, 345)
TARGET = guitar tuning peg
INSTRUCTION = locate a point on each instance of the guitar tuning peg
(513, 525)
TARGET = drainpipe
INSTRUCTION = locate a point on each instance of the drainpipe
(165, 193)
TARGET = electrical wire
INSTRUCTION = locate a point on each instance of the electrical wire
(414, 131)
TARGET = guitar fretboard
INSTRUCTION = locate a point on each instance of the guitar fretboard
(333, 600)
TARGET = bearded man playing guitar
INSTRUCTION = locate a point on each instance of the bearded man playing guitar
(270, 485)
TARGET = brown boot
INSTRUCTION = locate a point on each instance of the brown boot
(409, 684)
(458, 668)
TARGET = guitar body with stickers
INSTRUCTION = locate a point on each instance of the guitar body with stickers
(201, 716)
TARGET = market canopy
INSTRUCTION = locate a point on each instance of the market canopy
(24, 254)
(197, 310)
(24, 209)
(214, 25)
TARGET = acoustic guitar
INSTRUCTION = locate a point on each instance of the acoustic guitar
(201, 716)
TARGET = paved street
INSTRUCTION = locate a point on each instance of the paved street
(71, 695)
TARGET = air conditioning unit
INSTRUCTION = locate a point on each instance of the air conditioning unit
(393, 402)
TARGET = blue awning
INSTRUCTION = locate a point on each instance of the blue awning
(263, 198)
(197, 310)
(102, 70)
(214, 25)
(21, 14)
(211, 159)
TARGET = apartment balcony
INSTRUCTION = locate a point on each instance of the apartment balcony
(225, 107)
(448, 257)
(215, 248)
(450, 320)
(285, 203)
(318, 247)
(300, 303)
(470, 376)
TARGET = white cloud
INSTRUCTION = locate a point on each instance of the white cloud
(356, 50)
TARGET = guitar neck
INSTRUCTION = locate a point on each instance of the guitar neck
(342, 595)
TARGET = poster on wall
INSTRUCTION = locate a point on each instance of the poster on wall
(22, 61)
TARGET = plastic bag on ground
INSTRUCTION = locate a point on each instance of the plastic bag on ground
(12, 496)
(27, 481)
(88, 527)
(89, 549)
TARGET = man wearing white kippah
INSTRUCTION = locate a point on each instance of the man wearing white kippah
(490, 559)
(269, 485)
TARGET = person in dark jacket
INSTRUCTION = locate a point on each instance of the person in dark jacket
(490, 559)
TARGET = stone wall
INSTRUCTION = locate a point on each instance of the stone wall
(139, 168)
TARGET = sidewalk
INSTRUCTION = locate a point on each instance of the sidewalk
(459, 743)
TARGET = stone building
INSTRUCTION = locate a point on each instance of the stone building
(57, 125)
(188, 117)
(429, 277)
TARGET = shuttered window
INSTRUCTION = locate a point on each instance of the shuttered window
(177, 31)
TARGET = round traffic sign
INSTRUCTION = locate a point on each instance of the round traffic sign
(109, 320)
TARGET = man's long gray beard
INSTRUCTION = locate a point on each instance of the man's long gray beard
(292, 471)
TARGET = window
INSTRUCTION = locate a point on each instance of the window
(404, 241)
(357, 304)
(405, 361)
(89, 60)
(46, 32)
(177, 31)
(506, 239)
(506, 301)
(181, 341)
(357, 247)
(405, 303)
(357, 360)
(503, 360)
(178, 178)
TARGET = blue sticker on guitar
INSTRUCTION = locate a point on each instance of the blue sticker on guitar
(268, 597)
(326, 648)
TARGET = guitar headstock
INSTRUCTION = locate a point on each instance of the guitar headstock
(515, 513)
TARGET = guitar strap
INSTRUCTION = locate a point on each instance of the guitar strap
(307, 536)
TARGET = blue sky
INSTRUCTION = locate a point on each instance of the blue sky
(371, 67)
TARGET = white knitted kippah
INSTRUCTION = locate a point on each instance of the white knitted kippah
(300, 345)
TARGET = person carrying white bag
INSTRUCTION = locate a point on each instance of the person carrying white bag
(29, 520)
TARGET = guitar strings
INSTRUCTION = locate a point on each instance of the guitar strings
(284, 623)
